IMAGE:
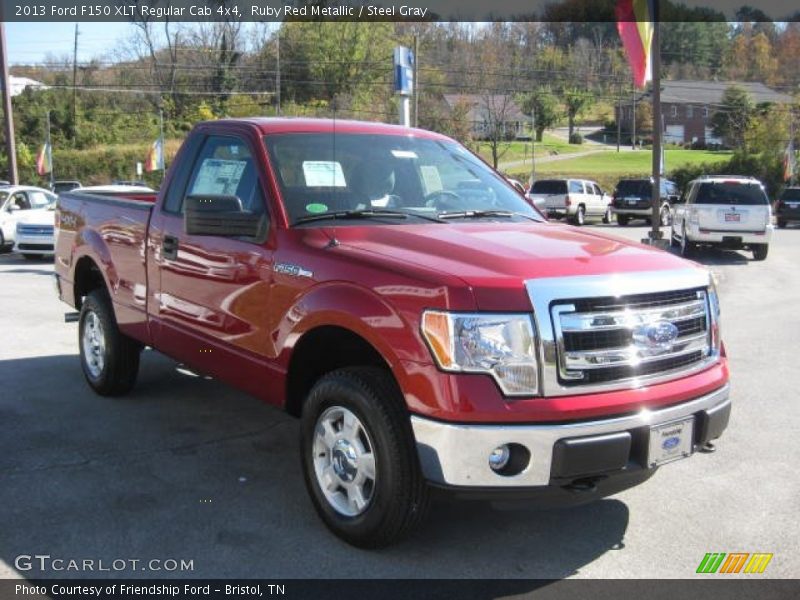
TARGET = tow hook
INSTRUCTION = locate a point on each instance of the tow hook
(708, 448)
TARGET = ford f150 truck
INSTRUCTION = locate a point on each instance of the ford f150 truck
(424, 322)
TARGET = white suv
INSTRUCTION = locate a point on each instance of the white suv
(575, 199)
(722, 210)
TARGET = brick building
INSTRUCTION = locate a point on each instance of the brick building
(688, 107)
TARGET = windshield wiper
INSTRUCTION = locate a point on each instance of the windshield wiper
(369, 213)
(477, 214)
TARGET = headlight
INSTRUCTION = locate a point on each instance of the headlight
(500, 345)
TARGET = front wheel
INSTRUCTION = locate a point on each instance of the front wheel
(359, 457)
(687, 247)
(760, 251)
(110, 359)
(607, 216)
(782, 223)
(665, 216)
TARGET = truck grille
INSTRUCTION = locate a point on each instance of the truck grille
(610, 339)
(43, 230)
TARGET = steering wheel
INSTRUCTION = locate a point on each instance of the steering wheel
(443, 200)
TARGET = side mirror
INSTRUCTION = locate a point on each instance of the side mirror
(12, 207)
(220, 215)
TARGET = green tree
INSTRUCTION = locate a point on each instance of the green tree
(731, 121)
(576, 102)
(544, 107)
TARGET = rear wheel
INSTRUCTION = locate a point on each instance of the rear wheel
(359, 457)
(760, 251)
(110, 359)
(687, 247)
(607, 216)
(580, 216)
(665, 216)
(622, 220)
(782, 223)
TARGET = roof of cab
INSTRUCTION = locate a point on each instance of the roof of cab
(270, 125)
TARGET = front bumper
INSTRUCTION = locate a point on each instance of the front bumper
(733, 239)
(34, 244)
(457, 454)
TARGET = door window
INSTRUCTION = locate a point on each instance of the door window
(575, 187)
(225, 166)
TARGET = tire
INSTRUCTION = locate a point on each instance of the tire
(673, 241)
(782, 223)
(623, 220)
(607, 216)
(580, 216)
(760, 251)
(389, 504)
(31, 256)
(665, 216)
(109, 359)
(687, 247)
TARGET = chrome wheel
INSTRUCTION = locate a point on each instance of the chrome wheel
(665, 216)
(94, 345)
(344, 461)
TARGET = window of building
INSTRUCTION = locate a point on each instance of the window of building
(689, 111)
(674, 110)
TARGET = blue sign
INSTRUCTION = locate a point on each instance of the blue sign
(403, 71)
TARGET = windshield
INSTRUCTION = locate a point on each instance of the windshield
(747, 194)
(41, 199)
(549, 187)
(634, 187)
(322, 173)
(791, 194)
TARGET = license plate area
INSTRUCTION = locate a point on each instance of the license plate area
(670, 441)
(632, 200)
(732, 217)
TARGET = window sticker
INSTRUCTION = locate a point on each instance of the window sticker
(323, 173)
(431, 178)
(404, 154)
(218, 176)
(316, 207)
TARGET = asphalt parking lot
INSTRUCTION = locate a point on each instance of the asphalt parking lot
(186, 468)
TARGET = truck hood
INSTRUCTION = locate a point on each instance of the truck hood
(496, 257)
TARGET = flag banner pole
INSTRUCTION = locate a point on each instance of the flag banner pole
(655, 53)
(50, 153)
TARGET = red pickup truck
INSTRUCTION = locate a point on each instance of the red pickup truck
(426, 324)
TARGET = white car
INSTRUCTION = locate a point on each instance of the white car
(722, 210)
(15, 202)
(35, 232)
(574, 199)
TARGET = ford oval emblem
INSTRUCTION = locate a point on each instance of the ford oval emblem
(661, 335)
(670, 443)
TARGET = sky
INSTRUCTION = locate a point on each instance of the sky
(31, 42)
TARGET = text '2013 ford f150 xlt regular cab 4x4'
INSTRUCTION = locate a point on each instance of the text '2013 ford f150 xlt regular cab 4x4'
(427, 325)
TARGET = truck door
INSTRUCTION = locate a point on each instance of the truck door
(210, 297)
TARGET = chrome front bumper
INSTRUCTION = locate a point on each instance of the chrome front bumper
(457, 454)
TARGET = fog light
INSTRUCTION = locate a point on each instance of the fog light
(498, 459)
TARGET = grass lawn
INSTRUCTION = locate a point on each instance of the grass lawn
(607, 168)
(513, 151)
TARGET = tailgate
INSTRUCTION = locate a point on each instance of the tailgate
(555, 201)
(734, 218)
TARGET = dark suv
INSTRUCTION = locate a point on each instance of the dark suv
(633, 200)
(788, 208)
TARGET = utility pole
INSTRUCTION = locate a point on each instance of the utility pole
(655, 234)
(163, 164)
(533, 143)
(278, 73)
(75, 87)
(619, 115)
(49, 150)
(11, 150)
(416, 80)
(633, 119)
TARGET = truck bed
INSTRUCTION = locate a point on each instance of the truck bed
(115, 227)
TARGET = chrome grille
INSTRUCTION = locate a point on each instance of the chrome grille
(618, 339)
(601, 333)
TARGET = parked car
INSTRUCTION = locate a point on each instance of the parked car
(723, 210)
(423, 321)
(788, 206)
(15, 202)
(65, 186)
(633, 199)
(35, 236)
(574, 199)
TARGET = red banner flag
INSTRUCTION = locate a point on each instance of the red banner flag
(635, 27)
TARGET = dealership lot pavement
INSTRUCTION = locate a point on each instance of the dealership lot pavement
(186, 468)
